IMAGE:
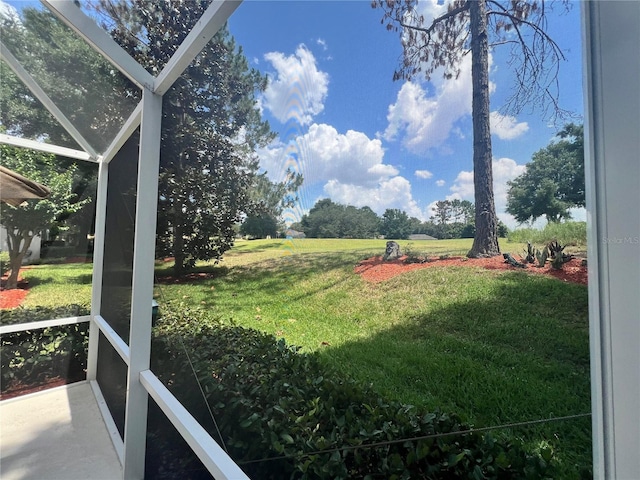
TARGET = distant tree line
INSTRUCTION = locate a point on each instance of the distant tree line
(328, 219)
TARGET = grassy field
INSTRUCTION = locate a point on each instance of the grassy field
(495, 347)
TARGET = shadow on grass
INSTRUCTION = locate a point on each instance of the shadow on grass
(83, 279)
(519, 354)
(277, 278)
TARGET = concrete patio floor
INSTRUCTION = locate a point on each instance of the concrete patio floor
(56, 434)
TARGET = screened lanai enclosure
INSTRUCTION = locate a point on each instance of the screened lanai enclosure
(120, 136)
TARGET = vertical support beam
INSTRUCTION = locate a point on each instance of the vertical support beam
(98, 266)
(142, 289)
(611, 32)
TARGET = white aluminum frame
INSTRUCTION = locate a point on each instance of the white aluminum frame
(611, 35)
(100, 40)
(208, 451)
(46, 148)
(23, 327)
(40, 94)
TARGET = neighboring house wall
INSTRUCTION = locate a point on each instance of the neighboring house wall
(34, 249)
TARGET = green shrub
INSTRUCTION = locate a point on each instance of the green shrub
(5, 263)
(270, 400)
(29, 358)
(567, 233)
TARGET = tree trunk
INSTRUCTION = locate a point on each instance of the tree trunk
(16, 255)
(485, 242)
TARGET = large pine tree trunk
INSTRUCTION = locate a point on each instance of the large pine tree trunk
(485, 242)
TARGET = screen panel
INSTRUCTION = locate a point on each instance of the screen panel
(119, 237)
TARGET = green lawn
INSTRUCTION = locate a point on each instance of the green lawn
(495, 347)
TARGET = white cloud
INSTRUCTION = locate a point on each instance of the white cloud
(350, 167)
(423, 174)
(424, 122)
(9, 12)
(504, 169)
(440, 183)
(322, 43)
(392, 193)
(298, 89)
(507, 127)
(324, 154)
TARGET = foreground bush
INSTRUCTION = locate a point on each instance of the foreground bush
(31, 357)
(272, 402)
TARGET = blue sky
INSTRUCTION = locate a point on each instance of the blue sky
(361, 139)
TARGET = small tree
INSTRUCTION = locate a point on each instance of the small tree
(26, 221)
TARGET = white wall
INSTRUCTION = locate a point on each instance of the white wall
(34, 248)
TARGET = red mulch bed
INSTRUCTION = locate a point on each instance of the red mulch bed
(16, 389)
(13, 298)
(375, 270)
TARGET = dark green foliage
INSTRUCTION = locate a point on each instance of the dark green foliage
(530, 253)
(85, 86)
(4, 262)
(395, 224)
(271, 401)
(508, 258)
(211, 127)
(542, 256)
(553, 182)
(333, 220)
(269, 201)
(555, 249)
(260, 226)
(28, 358)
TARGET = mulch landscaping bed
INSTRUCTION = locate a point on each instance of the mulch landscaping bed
(376, 270)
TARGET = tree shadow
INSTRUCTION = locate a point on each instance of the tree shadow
(278, 277)
(518, 354)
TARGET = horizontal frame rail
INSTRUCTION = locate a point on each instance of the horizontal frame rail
(23, 327)
(216, 460)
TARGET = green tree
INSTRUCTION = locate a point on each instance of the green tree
(362, 222)
(553, 181)
(211, 127)
(323, 220)
(395, 224)
(34, 216)
(85, 86)
(269, 201)
(473, 26)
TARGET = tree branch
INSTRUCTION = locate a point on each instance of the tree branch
(515, 21)
(436, 21)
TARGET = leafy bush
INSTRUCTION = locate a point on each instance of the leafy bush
(567, 233)
(5, 263)
(271, 401)
(30, 357)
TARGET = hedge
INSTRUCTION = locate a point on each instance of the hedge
(271, 401)
(32, 357)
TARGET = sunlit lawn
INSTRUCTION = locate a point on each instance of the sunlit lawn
(494, 347)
